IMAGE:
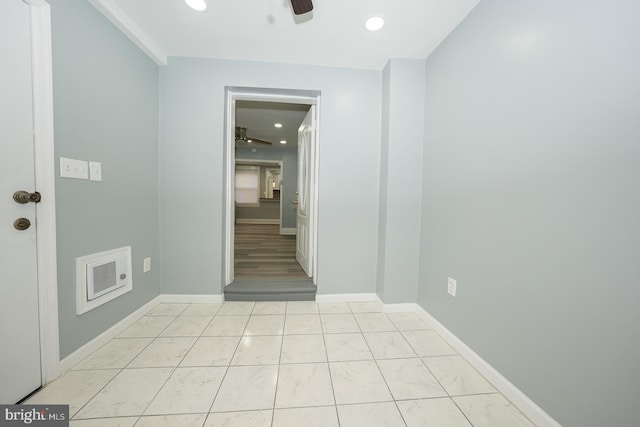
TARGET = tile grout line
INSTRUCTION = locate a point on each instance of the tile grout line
(275, 394)
(375, 360)
(326, 353)
(120, 370)
(173, 370)
(451, 397)
(157, 338)
(226, 368)
(421, 359)
(444, 389)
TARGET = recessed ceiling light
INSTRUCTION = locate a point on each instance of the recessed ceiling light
(278, 125)
(283, 142)
(374, 23)
(198, 5)
(249, 141)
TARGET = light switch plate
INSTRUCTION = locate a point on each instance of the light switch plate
(451, 286)
(146, 265)
(95, 171)
(71, 168)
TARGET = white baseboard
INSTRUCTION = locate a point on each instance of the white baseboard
(347, 298)
(288, 231)
(77, 356)
(257, 221)
(191, 299)
(400, 308)
(536, 414)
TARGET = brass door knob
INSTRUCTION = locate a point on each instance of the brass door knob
(21, 224)
(23, 197)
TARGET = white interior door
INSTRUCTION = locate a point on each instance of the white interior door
(19, 323)
(306, 144)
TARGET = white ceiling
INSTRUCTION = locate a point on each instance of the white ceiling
(259, 119)
(266, 30)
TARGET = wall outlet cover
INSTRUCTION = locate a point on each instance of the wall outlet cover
(451, 286)
(95, 171)
(146, 265)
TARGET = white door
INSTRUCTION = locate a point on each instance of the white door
(306, 144)
(19, 323)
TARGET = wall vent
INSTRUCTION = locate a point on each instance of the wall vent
(102, 277)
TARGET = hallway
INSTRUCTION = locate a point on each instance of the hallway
(260, 252)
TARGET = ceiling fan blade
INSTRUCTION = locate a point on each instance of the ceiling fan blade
(259, 141)
(241, 135)
(301, 6)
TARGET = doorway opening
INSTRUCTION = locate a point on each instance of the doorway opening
(266, 252)
(264, 247)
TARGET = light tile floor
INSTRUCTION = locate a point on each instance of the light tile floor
(277, 364)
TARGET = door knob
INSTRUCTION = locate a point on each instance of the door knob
(21, 224)
(295, 202)
(23, 197)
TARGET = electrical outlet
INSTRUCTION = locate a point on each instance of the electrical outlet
(146, 265)
(451, 286)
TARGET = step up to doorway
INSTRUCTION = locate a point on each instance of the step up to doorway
(270, 290)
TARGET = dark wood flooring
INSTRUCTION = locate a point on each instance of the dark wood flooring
(262, 253)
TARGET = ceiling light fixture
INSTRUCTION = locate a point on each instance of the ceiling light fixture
(374, 23)
(198, 5)
(278, 125)
(249, 141)
(283, 142)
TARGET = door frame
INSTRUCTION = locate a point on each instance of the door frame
(44, 158)
(233, 94)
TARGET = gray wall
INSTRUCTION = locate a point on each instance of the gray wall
(289, 160)
(400, 180)
(531, 201)
(191, 168)
(105, 109)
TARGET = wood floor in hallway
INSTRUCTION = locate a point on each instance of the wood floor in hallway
(262, 253)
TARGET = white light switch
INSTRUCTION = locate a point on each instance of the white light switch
(71, 168)
(146, 265)
(95, 171)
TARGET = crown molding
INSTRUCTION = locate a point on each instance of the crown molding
(124, 23)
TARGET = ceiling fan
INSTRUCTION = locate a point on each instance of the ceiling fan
(241, 135)
(301, 6)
